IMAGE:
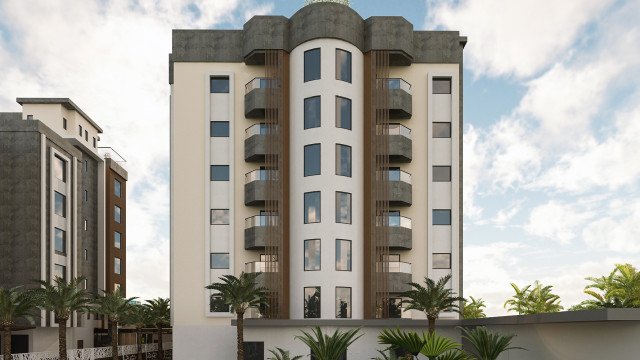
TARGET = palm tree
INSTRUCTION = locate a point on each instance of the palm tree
(63, 299)
(431, 345)
(280, 354)
(325, 347)
(15, 303)
(432, 299)
(488, 345)
(138, 317)
(115, 307)
(435, 346)
(241, 294)
(159, 313)
(619, 289)
(473, 309)
(536, 300)
(627, 284)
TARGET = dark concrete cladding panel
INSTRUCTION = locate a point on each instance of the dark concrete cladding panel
(207, 46)
(266, 33)
(393, 33)
(19, 207)
(255, 103)
(88, 210)
(438, 47)
(326, 20)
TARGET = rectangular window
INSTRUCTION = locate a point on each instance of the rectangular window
(117, 240)
(60, 168)
(312, 112)
(216, 304)
(253, 350)
(312, 160)
(117, 216)
(395, 308)
(343, 113)
(441, 173)
(219, 172)
(60, 204)
(85, 195)
(219, 260)
(343, 302)
(343, 207)
(219, 84)
(343, 65)
(85, 254)
(442, 261)
(60, 243)
(441, 217)
(343, 255)
(86, 135)
(117, 266)
(219, 129)
(442, 85)
(312, 207)
(312, 302)
(117, 188)
(441, 129)
(312, 255)
(312, 65)
(219, 216)
(343, 160)
(95, 143)
(80, 130)
(64, 123)
(59, 271)
(86, 165)
(84, 224)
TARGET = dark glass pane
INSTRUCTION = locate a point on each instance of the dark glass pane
(117, 239)
(117, 188)
(441, 173)
(60, 240)
(312, 207)
(254, 350)
(343, 255)
(216, 304)
(441, 130)
(219, 260)
(60, 206)
(60, 168)
(442, 261)
(343, 160)
(343, 207)
(395, 307)
(220, 84)
(343, 302)
(219, 172)
(343, 65)
(219, 129)
(117, 216)
(343, 113)
(442, 85)
(312, 112)
(312, 65)
(117, 265)
(441, 217)
(312, 160)
(312, 255)
(312, 302)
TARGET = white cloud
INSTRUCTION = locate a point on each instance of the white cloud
(515, 37)
(111, 58)
(557, 221)
(504, 216)
(618, 230)
(473, 165)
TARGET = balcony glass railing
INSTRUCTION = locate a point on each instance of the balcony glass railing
(394, 267)
(397, 83)
(259, 83)
(397, 129)
(399, 175)
(260, 175)
(261, 266)
(257, 129)
(260, 220)
(394, 221)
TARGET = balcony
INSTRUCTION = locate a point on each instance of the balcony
(399, 188)
(399, 102)
(400, 144)
(398, 275)
(256, 187)
(260, 267)
(255, 98)
(398, 231)
(255, 142)
(256, 231)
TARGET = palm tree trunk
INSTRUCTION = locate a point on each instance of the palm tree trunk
(432, 324)
(6, 339)
(240, 332)
(114, 340)
(62, 338)
(160, 349)
(139, 343)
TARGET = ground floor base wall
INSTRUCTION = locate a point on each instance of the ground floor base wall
(204, 342)
(46, 339)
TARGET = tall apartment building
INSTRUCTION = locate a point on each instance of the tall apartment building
(62, 211)
(323, 151)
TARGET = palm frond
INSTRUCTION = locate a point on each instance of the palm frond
(488, 345)
(436, 345)
(328, 347)
(398, 339)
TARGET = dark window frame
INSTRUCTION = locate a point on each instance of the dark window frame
(117, 220)
(433, 133)
(59, 160)
(305, 68)
(304, 298)
(64, 204)
(212, 131)
(304, 156)
(304, 261)
(64, 123)
(437, 90)
(211, 217)
(228, 175)
(433, 176)
(212, 79)
(350, 207)
(64, 271)
(117, 188)
(350, 262)
(63, 251)
(117, 269)
(211, 266)
(433, 216)
(117, 235)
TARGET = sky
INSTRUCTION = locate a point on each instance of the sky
(551, 121)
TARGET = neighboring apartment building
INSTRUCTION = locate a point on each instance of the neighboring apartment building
(324, 151)
(62, 211)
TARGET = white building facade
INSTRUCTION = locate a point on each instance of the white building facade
(323, 151)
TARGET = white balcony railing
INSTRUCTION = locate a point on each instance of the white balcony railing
(256, 129)
(261, 266)
(397, 129)
(260, 220)
(259, 83)
(394, 221)
(397, 83)
(260, 175)
(91, 353)
(399, 175)
(394, 267)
